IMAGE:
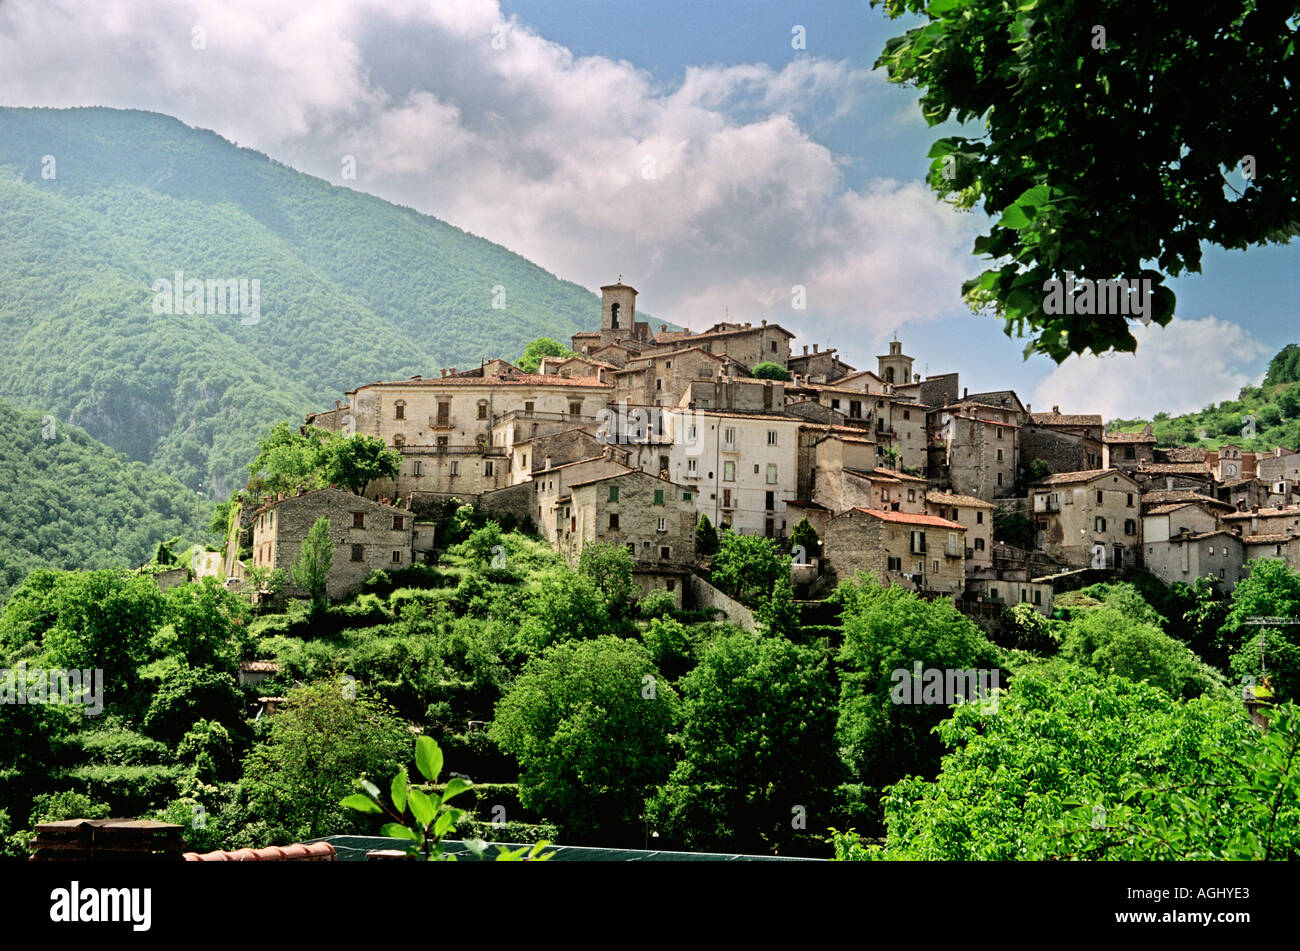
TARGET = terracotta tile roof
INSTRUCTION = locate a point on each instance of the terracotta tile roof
(884, 474)
(1142, 437)
(951, 498)
(1086, 475)
(1175, 468)
(907, 518)
(315, 852)
(1065, 419)
(1182, 454)
(521, 379)
(676, 336)
(1164, 496)
(1268, 538)
(351, 498)
(1265, 513)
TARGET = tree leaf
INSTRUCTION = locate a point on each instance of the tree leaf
(395, 830)
(428, 758)
(455, 786)
(421, 807)
(398, 791)
(361, 803)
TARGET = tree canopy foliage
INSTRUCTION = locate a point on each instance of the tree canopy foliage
(1108, 140)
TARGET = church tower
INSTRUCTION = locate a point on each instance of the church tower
(896, 366)
(617, 312)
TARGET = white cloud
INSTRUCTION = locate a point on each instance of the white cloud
(710, 196)
(1179, 368)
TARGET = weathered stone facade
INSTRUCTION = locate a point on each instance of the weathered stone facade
(1088, 519)
(367, 537)
(653, 518)
(921, 552)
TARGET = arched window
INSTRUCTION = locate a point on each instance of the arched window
(889, 374)
(613, 315)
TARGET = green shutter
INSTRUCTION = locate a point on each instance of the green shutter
(659, 496)
(613, 493)
(686, 496)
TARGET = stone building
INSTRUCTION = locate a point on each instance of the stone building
(367, 536)
(736, 394)
(1088, 519)
(1264, 521)
(973, 450)
(1129, 451)
(661, 378)
(921, 552)
(820, 366)
(653, 518)
(977, 516)
(1188, 555)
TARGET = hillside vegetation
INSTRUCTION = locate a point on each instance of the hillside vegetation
(1271, 411)
(67, 501)
(352, 289)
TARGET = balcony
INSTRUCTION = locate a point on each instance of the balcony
(955, 551)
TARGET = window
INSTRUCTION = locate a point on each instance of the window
(729, 436)
(690, 432)
(979, 544)
(613, 493)
(662, 525)
(529, 407)
(455, 467)
(771, 473)
(482, 409)
(1099, 524)
(358, 519)
(769, 500)
(399, 439)
(670, 584)
(399, 409)
(399, 522)
(756, 468)
(979, 518)
(664, 553)
(907, 414)
(728, 471)
(726, 498)
(613, 521)
(936, 567)
(911, 495)
(855, 409)
(771, 437)
(999, 455)
(690, 468)
(1130, 500)
(918, 542)
(416, 468)
(631, 549)
(575, 409)
(999, 432)
(397, 556)
(835, 404)
(659, 496)
(686, 496)
(358, 552)
(772, 346)
(894, 564)
(999, 478)
(1038, 596)
(659, 385)
(1131, 528)
(488, 467)
(1099, 496)
(444, 413)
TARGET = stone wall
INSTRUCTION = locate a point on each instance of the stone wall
(703, 596)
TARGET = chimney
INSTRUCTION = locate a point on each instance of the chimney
(1056, 411)
(765, 323)
(336, 405)
(965, 391)
(805, 353)
(663, 328)
(816, 347)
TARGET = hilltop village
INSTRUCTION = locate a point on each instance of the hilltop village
(971, 496)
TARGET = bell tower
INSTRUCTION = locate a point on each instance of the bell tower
(895, 366)
(617, 311)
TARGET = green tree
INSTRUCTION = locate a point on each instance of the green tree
(353, 463)
(209, 625)
(706, 537)
(757, 748)
(884, 734)
(541, 347)
(1085, 107)
(311, 571)
(747, 566)
(1114, 641)
(1272, 590)
(1288, 402)
(324, 738)
(770, 371)
(1077, 765)
(288, 460)
(778, 613)
(804, 535)
(565, 606)
(1284, 367)
(588, 722)
(185, 695)
(609, 568)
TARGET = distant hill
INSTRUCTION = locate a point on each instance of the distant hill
(67, 501)
(1271, 411)
(96, 205)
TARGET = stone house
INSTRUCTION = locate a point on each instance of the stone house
(746, 344)
(661, 378)
(367, 536)
(653, 518)
(1128, 451)
(1088, 519)
(556, 448)
(828, 457)
(1010, 592)
(734, 394)
(921, 552)
(974, 451)
(552, 485)
(1264, 521)
(1188, 555)
(820, 366)
(1196, 476)
(977, 516)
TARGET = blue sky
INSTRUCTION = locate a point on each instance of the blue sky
(688, 147)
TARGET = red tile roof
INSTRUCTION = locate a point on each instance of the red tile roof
(907, 518)
(316, 852)
(521, 379)
(1086, 475)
